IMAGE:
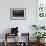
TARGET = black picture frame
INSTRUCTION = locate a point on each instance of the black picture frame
(17, 13)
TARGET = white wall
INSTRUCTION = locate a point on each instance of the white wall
(24, 25)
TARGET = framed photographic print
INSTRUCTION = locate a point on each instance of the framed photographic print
(18, 13)
(41, 9)
(41, 12)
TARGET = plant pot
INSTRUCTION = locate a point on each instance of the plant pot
(40, 41)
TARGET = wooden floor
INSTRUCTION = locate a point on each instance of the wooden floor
(13, 44)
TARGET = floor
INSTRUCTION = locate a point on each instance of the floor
(13, 44)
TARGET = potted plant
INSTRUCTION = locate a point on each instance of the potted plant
(39, 35)
(35, 26)
(42, 27)
(38, 27)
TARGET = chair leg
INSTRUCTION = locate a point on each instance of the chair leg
(5, 43)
